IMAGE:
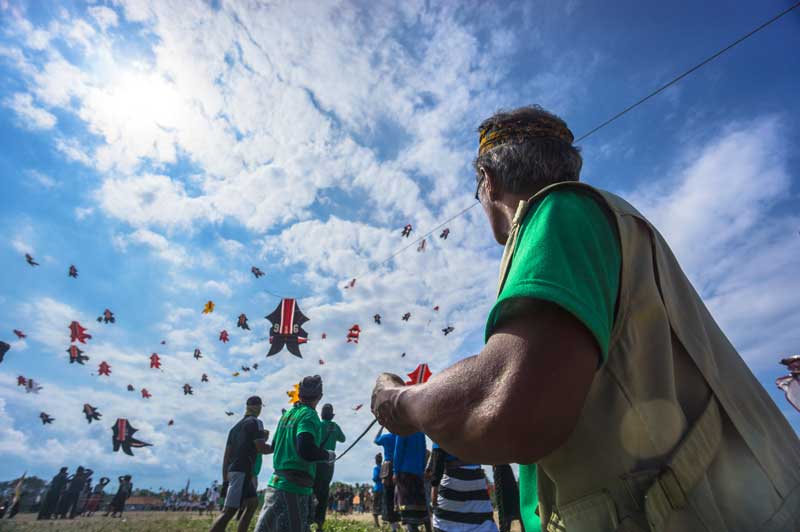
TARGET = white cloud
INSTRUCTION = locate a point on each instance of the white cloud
(718, 212)
(42, 179)
(30, 116)
(104, 16)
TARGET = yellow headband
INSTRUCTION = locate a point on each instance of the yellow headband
(521, 132)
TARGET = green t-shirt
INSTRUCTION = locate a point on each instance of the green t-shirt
(298, 419)
(567, 253)
(330, 434)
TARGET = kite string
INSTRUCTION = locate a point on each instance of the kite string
(357, 439)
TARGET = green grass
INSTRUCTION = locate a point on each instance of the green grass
(159, 522)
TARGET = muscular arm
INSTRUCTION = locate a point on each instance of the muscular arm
(516, 401)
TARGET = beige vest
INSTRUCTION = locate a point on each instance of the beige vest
(676, 434)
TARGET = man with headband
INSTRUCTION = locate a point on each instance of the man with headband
(288, 498)
(603, 371)
(247, 441)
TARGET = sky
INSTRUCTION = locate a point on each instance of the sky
(166, 150)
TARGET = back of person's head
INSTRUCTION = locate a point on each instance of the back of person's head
(311, 388)
(327, 412)
(378, 458)
(527, 149)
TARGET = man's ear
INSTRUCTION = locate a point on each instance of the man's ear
(494, 190)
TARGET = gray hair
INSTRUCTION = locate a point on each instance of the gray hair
(528, 164)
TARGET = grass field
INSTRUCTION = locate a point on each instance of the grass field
(158, 522)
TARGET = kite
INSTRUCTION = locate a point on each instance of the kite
(187, 390)
(76, 355)
(377, 318)
(357, 407)
(130, 388)
(104, 368)
(197, 354)
(163, 342)
(77, 333)
(445, 233)
(4, 347)
(235, 374)
(223, 336)
(447, 330)
(350, 284)
(790, 384)
(419, 375)
(245, 368)
(421, 246)
(107, 317)
(30, 260)
(155, 361)
(294, 394)
(204, 378)
(46, 419)
(406, 316)
(170, 423)
(21, 335)
(21, 381)
(353, 334)
(403, 355)
(242, 323)
(255, 366)
(73, 272)
(321, 362)
(228, 413)
(407, 230)
(257, 272)
(287, 328)
(324, 335)
(30, 385)
(91, 413)
(146, 394)
(123, 433)
(436, 308)
(208, 308)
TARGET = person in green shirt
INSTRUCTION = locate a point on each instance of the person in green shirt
(330, 435)
(550, 328)
(297, 451)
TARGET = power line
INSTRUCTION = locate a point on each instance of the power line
(694, 68)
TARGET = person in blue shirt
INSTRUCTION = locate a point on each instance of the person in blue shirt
(409, 468)
(388, 512)
(377, 489)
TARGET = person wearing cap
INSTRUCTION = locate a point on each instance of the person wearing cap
(288, 498)
(603, 374)
(331, 434)
(247, 441)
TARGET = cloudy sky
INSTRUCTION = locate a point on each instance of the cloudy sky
(165, 150)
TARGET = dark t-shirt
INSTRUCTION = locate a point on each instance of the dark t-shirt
(241, 440)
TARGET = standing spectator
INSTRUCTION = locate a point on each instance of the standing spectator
(409, 468)
(331, 434)
(68, 506)
(117, 504)
(246, 441)
(297, 451)
(387, 441)
(54, 491)
(377, 489)
(93, 504)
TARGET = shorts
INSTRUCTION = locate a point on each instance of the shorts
(241, 486)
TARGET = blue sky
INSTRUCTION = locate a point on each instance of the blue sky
(165, 152)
